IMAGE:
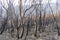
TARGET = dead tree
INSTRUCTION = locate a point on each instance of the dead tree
(44, 17)
(22, 17)
(11, 12)
(40, 16)
(36, 22)
(54, 19)
(4, 22)
(29, 22)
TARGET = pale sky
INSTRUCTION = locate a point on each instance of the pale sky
(28, 2)
(52, 1)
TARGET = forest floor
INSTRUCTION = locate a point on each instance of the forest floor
(48, 34)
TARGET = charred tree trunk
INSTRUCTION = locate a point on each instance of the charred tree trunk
(36, 23)
(40, 17)
(22, 28)
(40, 23)
(28, 26)
(3, 26)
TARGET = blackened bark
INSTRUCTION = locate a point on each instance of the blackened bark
(3, 26)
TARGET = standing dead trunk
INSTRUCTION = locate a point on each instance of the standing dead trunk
(36, 23)
(40, 17)
(5, 18)
(28, 26)
(22, 28)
